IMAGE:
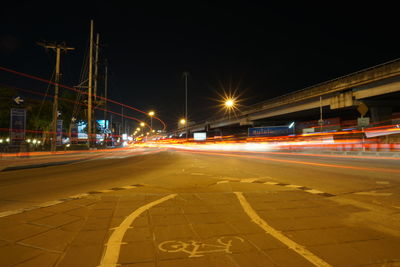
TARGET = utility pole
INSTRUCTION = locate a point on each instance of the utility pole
(89, 113)
(57, 48)
(105, 94)
(96, 66)
(186, 74)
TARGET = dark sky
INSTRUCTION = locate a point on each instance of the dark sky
(262, 50)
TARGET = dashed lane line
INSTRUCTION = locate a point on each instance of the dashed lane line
(299, 249)
(62, 200)
(300, 187)
(113, 246)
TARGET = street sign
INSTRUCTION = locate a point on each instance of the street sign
(362, 109)
(59, 133)
(18, 100)
(269, 131)
(363, 121)
(17, 126)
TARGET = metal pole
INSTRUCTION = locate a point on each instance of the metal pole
(105, 96)
(186, 104)
(89, 123)
(55, 103)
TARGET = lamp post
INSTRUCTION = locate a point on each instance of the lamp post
(151, 114)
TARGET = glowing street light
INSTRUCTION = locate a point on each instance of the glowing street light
(151, 114)
(182, 121)
(142, 124)
(230, 103)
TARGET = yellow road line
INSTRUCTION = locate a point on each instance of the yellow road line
(113, 246)
(301, 250)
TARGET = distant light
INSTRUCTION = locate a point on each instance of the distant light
(34, 141)
(28, 140)
(151, 113)
(68, 145)
(182, 121)
(142, 124)
(138, 129)
(229, 103)
(291, 125)
(8, 139)
(1, 140)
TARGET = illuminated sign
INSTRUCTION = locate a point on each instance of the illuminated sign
(200, 136)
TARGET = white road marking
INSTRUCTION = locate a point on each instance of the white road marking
(271, 183)
(374, 193)
(313, 191)
(382, 182)
(301, 250)
(248, 180)
(197, 173)
(129, 186)
(293, 186)
(113, 246)
(222, 182)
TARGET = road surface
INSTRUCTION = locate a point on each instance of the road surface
(170, 207)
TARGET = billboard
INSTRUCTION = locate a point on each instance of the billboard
(269, 131)
(17, 125)
(200, 136)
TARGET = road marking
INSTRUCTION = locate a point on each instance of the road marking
(313, 191)
(301, 250)
(197, 173)
(198, 248)
(382, 182)
(222, 182)
(113, 246)
(271, 183)
(374, 193)
(248, 180)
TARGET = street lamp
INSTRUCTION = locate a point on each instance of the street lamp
(230, 103)
(151, 114)
(182, 121)
(142, 124)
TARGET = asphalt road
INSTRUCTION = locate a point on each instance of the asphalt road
(159, 207)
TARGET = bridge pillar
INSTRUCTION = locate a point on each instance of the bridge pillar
(381, 114)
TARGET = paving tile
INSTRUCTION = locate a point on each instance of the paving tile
(383, 250)
(30, 215)
(21, 231)
(256, 259)
(13, 254)
(74, 226)
(135, 234)
(137, 252)
(263, 241)
(142, 264)
(93, 224)
(287, 258)
(305, 223)
(54, 239)
(329, 236)
(45, 259)
(246, 227)
(168, 219)
(192, 262)
(204, 218)
(342, 255)
(55, 220)
(215, 229)
(173, 232)
(86, 238)
(82, 256)
(159, 210)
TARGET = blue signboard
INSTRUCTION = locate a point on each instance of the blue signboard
(59, 133)
(269, 131)
(17, 125)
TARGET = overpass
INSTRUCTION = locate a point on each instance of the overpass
(340, 93)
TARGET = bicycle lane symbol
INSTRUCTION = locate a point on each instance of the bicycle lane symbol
(197, 248)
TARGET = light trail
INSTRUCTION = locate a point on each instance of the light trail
(79, 91)
(298, 162)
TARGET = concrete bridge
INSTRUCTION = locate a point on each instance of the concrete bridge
(348, 91)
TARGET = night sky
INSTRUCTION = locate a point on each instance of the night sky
(261, 50)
